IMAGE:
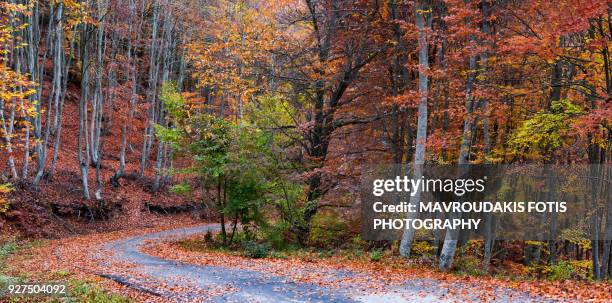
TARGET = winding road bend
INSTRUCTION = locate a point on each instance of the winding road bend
(181, 282)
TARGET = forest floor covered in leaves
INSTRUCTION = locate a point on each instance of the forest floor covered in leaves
(57, 208)
(147, 264)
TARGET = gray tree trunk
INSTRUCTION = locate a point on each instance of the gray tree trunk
(152, 90)
(58, 128)
(606, 263)
(99, 98)
(56, 91)
(26, 144)
(82, 151)
(449, 246)
(421, 138)
(168, 46)
(33, 40)
(489, 240)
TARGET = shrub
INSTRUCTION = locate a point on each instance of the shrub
(278, 255)
(565, 270)
(277, 235)
(256, 250)
(182, 188)
(81, 291)
(62, 273)
(8, 279)
(423, 248)
(469, 265)
(376, 255)
(560, 271)
(6, 250)
(357, 243)
(5, 203)
(324, 254)
(328, 231)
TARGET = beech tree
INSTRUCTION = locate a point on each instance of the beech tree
(337, 85)
(422, 10)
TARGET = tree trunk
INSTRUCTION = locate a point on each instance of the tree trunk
(152, 90)
(83, 155)
(606, 263)
(421, 138)
(33, 39)
(489, 218)
(58, 126)
(449, 246)
(167, 55)
(54, 96)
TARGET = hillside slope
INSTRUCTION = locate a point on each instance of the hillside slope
(58, 207)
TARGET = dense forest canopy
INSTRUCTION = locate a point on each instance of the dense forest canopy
(267, 109)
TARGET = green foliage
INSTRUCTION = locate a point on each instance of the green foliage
(285, 197)
(279, 235)
(539, 136)
(8, 279)
(257, 250)
(469, 265)
(245, 199)
(278, 255)
(568, 269)
(423, 248)
(560, 271)
(82, 291)
(328, 230)
(276, 111)
(376, 255)
(7, 249)
(357, 243)
(181, 188)
(239, 162)
(62, 273)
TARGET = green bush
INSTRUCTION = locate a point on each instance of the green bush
(560, 271)
(278, 235)
(469, 265)
(257, 250)
(328, 231)
(7, 249)
(423, 248)
(81, 291)
(376, 255)
(8, 279)
(565, 270)
(278, 255)
(182, 188)
(357, 243)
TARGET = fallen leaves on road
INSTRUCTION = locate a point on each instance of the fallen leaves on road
(377, 276)
(84, 257)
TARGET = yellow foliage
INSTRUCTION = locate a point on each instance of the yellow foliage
(238, 36)
(5, 189)
(15, 87)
